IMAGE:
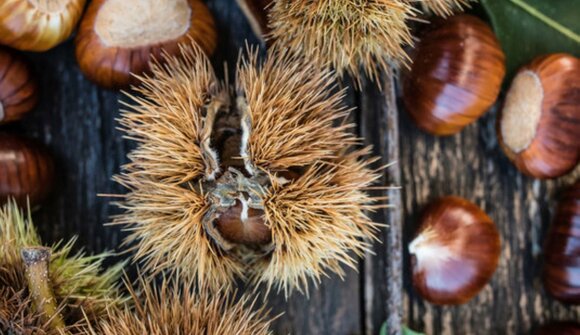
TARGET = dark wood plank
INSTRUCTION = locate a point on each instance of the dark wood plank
(76, 120)
(383, 280)
(471, 165)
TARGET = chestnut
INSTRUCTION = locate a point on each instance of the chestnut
(539, 125)
(456, 75)
(562, 250)
(455, 251)
(256, 11)
(38, 25)
(18, 88)
(559, 328)
(26, 170)
(120, 37)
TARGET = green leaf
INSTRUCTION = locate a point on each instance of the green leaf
(530, 28)
(406, 330)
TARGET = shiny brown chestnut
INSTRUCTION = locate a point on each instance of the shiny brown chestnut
(18, 88)
(38, 25)
(456, 75)
(256, 11)
(26, 170)
(562, 251)
(120, 37)
(244, 226)
(455, 252)
(539, 125)
(559, 328)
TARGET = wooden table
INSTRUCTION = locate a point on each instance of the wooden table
(77, 121)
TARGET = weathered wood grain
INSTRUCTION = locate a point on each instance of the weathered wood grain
(77, 121)
(471, 165)
(383, 274)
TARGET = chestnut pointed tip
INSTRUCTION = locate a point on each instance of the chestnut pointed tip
(455, 252)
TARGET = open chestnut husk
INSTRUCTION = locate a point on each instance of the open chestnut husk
(26, 170)
(455, 252)
(456, 75)
(119, 37)
(562, 250)
(18, 88)
(539, 125)
(559, 328)
(38, 25)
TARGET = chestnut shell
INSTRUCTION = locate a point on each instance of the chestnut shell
(26, 170)
(562, 251)
(112, 66)
(18, 87)
(456, 75)
(460, 251)
(38, 25)
(555, 149)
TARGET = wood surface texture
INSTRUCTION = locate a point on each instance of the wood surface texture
(77, 122)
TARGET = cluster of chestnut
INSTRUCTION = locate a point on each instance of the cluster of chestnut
(456, 77)
(26, 167)
(110, 47)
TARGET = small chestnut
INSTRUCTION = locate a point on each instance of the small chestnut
(456, 75)
(455, 252)
(559, 328)
(244, 225)
(18, 88)
(562, 250)
(26, 170)
(256, 11)
(539, 125)
(38, 25)
(120, 37)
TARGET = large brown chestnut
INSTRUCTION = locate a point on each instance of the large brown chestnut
(539, 125)
(562, 250)
(120, 37)
(18, 88)
(455, 251)
(456, 75)
(26, 170)
(38, 25)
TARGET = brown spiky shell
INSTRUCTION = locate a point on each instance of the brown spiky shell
(351, 36)
(82, 291)
(444, 8)
(171, 308)
(294, 163)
